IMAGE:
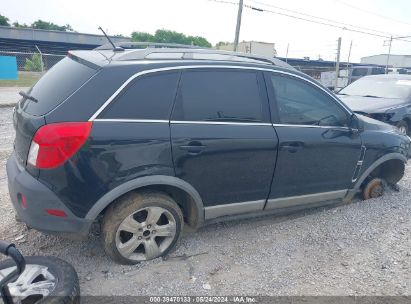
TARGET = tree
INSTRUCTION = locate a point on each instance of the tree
(34, 64)
(142, 37)
(44, 25)
(16, 24)
(200, 41)
(39, 24)
(4, 21)
(166, 36)
(221, 43)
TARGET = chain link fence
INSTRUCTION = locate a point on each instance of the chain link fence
(314, 71)
(33, 62)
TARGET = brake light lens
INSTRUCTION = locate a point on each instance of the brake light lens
(55, 143)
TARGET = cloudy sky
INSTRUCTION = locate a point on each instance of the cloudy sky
(216, 20)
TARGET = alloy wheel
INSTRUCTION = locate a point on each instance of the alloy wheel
(146, 234)
(36, 282)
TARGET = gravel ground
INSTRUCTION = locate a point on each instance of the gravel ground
(363, 248)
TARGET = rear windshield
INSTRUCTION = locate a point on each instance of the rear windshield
(56, 85)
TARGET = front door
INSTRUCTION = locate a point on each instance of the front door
(222, 140)
(318, 152)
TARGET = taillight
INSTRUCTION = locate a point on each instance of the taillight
(55, 143)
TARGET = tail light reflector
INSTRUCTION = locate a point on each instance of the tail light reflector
(55, 143)
(56, 212)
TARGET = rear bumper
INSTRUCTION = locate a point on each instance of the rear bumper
(40, 198)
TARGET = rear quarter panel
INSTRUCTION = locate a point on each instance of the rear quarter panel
(115, 153)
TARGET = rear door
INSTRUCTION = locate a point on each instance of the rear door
(318, 153)
(222, 140)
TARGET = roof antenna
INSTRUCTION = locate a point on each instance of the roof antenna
(115, 48)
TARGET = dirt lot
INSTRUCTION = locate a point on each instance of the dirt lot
(363, 248)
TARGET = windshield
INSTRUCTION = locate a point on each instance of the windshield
(379, 87)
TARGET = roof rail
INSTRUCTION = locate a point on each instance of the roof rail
(143, 45)
(198, 54)
(169, 51)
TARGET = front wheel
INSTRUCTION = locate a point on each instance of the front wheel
(373, 189)
(141, 226)
(45, 280)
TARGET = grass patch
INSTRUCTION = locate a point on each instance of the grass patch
(25, 79)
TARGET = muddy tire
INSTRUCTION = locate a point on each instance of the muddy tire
(141, 226)
(373, 189)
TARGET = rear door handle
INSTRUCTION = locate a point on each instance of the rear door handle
(193, 148)
(292, 147)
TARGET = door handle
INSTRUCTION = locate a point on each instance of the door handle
(292, 147)
(193, 148)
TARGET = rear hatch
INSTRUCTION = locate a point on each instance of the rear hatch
(55, 87)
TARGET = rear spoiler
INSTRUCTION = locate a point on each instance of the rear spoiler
(92, 59)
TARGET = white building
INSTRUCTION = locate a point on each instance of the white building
(396, 61)
(252, 47)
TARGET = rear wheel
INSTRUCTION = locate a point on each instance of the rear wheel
(44, 280)
(141, 226)
(403, 127)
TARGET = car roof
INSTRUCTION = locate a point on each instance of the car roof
(390, 76)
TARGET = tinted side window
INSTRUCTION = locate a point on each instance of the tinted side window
(359, 72)
(219, 96)
(300, 103)
(377, 71)
(148, 97)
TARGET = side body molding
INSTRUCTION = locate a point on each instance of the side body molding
(134, 184)
(375, 164)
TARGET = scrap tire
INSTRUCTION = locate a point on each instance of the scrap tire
(67, 289)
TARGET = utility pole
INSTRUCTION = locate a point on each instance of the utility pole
(337, 65)
(388, 56)
(41, 58)
(237, 29)
(348, 65)
(389, 49)
(286, 54)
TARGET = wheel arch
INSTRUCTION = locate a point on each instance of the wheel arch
(390, 157)
(395, 161)
(185, 195)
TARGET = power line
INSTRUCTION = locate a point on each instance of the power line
(315, 21)
(371, 13)
(321, 22)
(223, 1)
(320, 18)
(343, 26)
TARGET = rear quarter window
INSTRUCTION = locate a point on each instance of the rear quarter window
(62, 80)
(147, 97)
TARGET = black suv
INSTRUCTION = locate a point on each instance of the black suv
(152, 139)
